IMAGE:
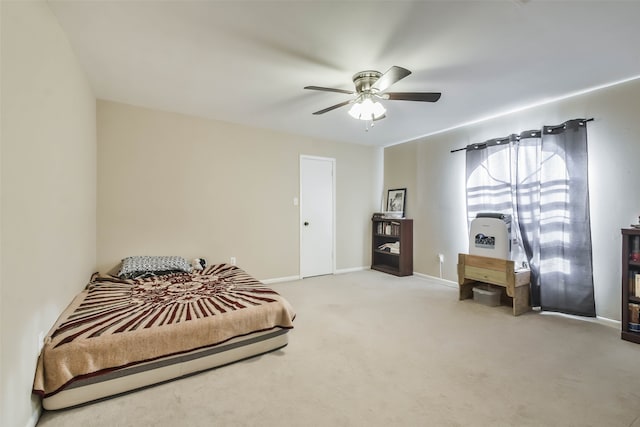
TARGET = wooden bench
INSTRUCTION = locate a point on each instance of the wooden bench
(474, 270)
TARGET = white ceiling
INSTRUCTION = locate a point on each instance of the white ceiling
(247, 62)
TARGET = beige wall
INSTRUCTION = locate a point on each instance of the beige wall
(179, 185)
(436, 183)
(48, 192)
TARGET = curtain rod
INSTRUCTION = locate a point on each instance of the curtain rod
(484, 143)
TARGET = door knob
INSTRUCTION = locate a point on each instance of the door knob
(306, 223)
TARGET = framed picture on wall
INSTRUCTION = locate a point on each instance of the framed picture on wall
(396, 200)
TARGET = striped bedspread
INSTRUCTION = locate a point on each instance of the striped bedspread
(116, 322)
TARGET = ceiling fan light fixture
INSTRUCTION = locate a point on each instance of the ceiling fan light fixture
(372, 86)
(366, 109)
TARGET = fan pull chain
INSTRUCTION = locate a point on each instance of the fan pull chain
(366, 124)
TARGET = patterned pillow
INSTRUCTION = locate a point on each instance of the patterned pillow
(138, 266)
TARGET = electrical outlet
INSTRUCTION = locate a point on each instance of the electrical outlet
(441, 258)
(233, 260)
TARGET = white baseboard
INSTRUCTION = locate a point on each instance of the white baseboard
(598, 319)
(292, 278)
(350, 270)
(280, 279)
(35, 416)
(609, 322)
(444, 282)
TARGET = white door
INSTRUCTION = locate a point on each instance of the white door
(316, 216)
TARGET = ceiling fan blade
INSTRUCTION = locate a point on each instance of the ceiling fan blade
(413, 96)
(393, 75)
(328, 89)
(333, 107)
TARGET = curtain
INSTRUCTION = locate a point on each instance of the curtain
(540, 178)
(527, 202)
(490, 184)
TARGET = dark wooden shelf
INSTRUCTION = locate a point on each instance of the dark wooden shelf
(402, 231)
(378, 251)
(385, 268)
(629, 268)
(630, 336)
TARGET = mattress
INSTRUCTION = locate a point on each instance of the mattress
(124, 380)
(122, 334)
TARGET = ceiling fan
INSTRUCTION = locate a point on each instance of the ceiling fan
(371, 86)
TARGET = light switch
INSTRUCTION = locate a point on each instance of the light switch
(295, 201)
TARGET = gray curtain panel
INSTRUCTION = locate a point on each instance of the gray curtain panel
(549, 194)
(565, 269)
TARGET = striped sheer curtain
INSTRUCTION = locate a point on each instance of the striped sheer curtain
(539, 177)
(490, 184)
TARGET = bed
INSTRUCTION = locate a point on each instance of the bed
(121, 334)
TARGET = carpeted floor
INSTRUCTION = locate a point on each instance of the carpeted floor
(370, 349)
